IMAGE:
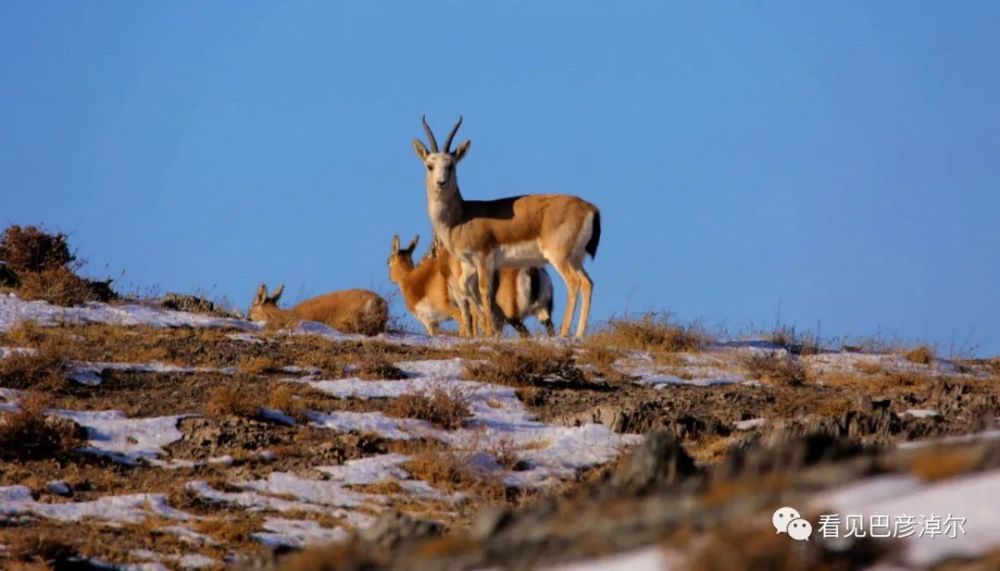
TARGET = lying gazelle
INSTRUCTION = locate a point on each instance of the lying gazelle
(520, 231)
(348, 311)
(521, 292)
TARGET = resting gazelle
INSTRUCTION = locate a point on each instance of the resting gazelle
(520, 231)
(348, 311)
(520, 292)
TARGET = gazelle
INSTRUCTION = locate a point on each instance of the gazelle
(521, 292)
(348, 311)
(519, 231)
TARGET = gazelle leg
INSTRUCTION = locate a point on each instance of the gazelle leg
(519, 327)
(569, 276)
(586, 287)
(484, 272)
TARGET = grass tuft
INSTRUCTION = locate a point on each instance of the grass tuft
(527, 364)
(444, 408)
(654, 333)
(776, 367)
(28, 434)
(921, 354)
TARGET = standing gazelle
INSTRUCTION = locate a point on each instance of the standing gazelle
(521, 292)
(520, 231)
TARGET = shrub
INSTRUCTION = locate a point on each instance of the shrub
(28, 434)
(527, 364)
(41, 266)
(654, 333)
(31, 249)
(447, 409)
(921, 354)
(43, 369)
(776, 367)
(234, 399)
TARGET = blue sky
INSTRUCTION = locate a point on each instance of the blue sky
(832, 164)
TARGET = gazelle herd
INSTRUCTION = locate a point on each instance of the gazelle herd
(485, 266)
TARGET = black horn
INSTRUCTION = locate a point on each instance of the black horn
(430, 135)
(447, 142)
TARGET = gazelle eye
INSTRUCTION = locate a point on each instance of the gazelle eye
(430, 168)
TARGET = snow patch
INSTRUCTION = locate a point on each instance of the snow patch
(130, 508)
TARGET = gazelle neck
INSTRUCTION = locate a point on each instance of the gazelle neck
(444, 207)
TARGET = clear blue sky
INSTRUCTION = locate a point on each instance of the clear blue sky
(837, 160)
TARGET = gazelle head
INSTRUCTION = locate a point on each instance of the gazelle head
(441, 164)
(401, 261)
(265, 305)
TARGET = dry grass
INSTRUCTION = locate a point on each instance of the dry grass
(749, 549)
(654, 333)
(451, 471)
(921, 355)
(28, 434)
(237, 398)
(936, 463)
(776, 367)
(285, 398)
(603, 358)
(258, 365)
(31, 249)
(43, 268)
(43, 369)
(373, 363)
(527, 364)
(444, 408)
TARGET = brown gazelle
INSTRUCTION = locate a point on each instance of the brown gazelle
(521, 292)
(348, 311)
(520, 231)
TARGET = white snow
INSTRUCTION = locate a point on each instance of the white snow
(369, 470)
(645, 559)
(58, 487)
(922, 413)
(322, 492)
(14, 310)
(297, 533)
(750, 424)
(499, 419)
(373, 422)
(89, 373)
(126, 440)
(964, 497)
(129, 508)
(187, 561)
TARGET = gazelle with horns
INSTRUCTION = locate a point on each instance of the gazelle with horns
(519, 231)
(521, 292)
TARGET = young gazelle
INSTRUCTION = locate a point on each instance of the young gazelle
(520, 231)
(521, 292)
(348, 311)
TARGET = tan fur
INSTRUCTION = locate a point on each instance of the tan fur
(520, 231)
(428, 283)
(348, 311)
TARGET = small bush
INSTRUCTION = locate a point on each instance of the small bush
(234, 399)
(527, 364)
(921, 354)
(28, 434)
(30, 249)
(776, 367)
(373, 364)
(447, 409)
(653, 333)
(59, 286)
(44, 369)
(41, 266)
(451, 471)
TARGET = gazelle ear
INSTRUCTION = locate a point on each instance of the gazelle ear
(261, 294)
(420, 149)
(413, 244)
(276, 294)
(395, 244)
(459, 152)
